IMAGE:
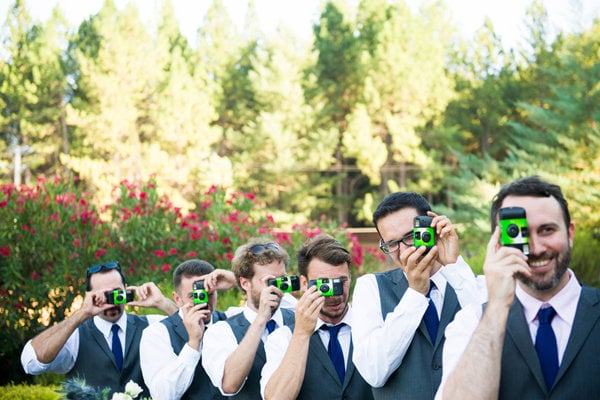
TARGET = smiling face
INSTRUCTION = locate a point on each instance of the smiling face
(550, 243)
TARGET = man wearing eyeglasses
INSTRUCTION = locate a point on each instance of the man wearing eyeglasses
(99, 342)
(313, 359)
(233, 349)
(402, 313)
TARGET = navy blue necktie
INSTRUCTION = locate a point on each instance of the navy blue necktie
(431, 316)
(271, 325)
(335, 350)
(117, 349)
(545, 345)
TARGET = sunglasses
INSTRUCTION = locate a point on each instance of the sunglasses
(107, 266)
(260, 248)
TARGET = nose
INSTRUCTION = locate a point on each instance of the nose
(536, 245)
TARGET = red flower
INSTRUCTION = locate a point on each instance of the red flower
(5, 251)
(192, 254)
(159, 253)
(3, 203)
(229, 256)
(100, 253)
(143, 195)
(34, 275)
(166, 268)
(173, 251)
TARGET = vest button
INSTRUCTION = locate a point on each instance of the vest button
(435, 367)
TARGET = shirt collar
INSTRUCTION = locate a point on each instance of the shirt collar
(347, 319)
(564, 302)
(105, 326)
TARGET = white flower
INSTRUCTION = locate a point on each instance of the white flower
(121, 396)
(133, 389)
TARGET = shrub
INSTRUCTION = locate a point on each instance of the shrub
(29, 392)
(54, 232)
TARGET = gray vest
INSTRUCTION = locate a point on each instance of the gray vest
(420, 373)
(579, 371)
(321, 381)
(96, 363)
(201, 387)
(240, 325)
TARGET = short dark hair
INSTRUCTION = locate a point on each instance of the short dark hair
(244, 258)
(529, 186)
(191, 268)
(102, 270)
(398, 201)
(325, 248)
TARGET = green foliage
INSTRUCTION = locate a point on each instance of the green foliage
(584, 259)
(29, 392)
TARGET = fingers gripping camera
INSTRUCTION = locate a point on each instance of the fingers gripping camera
(286, 284)
(513, 228)
(199, 294)
(328, 286)
(424, 234)
(118, 296)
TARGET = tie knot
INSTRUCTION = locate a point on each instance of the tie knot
(431, 287)
(115, 329)
(333, 329)
(271, 325)
(545, 315)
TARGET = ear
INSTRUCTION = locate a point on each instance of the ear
(245, 284)
(571, 233)
(178, 299)
(303, 283)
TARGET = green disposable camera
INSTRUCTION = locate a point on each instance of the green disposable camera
(423, 233)
(119, 296)
(328, 286)
(513, 228)
(286, 284)
(199, 294)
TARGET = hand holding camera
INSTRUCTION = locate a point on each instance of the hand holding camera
(119, 296)
(286, 284)
(199, 293)
(513, 228)
(328, 286)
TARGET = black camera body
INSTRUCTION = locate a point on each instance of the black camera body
(423, 233)
(199, 294)
(286, 284)
(119, 296)
(328, 286)
(513, 228)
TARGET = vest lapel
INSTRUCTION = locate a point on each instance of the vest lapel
(319, 352)
(132, 331)
(518, 330)
(101, 341)
(349, 367)
(586, 317)
(449, 309)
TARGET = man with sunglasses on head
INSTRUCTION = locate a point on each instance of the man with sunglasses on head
(401, 314)
(170, 351)
(99, 342)
(234, 351)
(313, 358)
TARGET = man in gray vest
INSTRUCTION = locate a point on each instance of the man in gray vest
(400, 315)
(539, 333)
(99, 342)
(234, 352)
(313, 358)
(170, 351)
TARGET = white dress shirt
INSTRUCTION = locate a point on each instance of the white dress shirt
(460, 331)
(220, 342)
(66, 357)
(278, 342)
(381, 342)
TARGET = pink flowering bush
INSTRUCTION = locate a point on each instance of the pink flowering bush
(52, 232)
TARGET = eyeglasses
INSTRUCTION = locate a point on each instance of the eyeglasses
(99, 267)
(260, 248)
(394, 245)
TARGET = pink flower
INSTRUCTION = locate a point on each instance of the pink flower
(192, 254)
(5, 251)
(34, 275)
(229, 256)
(143, 195)
(100, 253)
(173, 251)
(3, 203)
(166, 268)
(159, 253)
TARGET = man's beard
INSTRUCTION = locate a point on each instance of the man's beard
(562, 264)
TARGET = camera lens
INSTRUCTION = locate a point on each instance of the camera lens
(426, 236)
(119, 298)
(284, 286)
(324, 288)
(202, 296)
(512, 230)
